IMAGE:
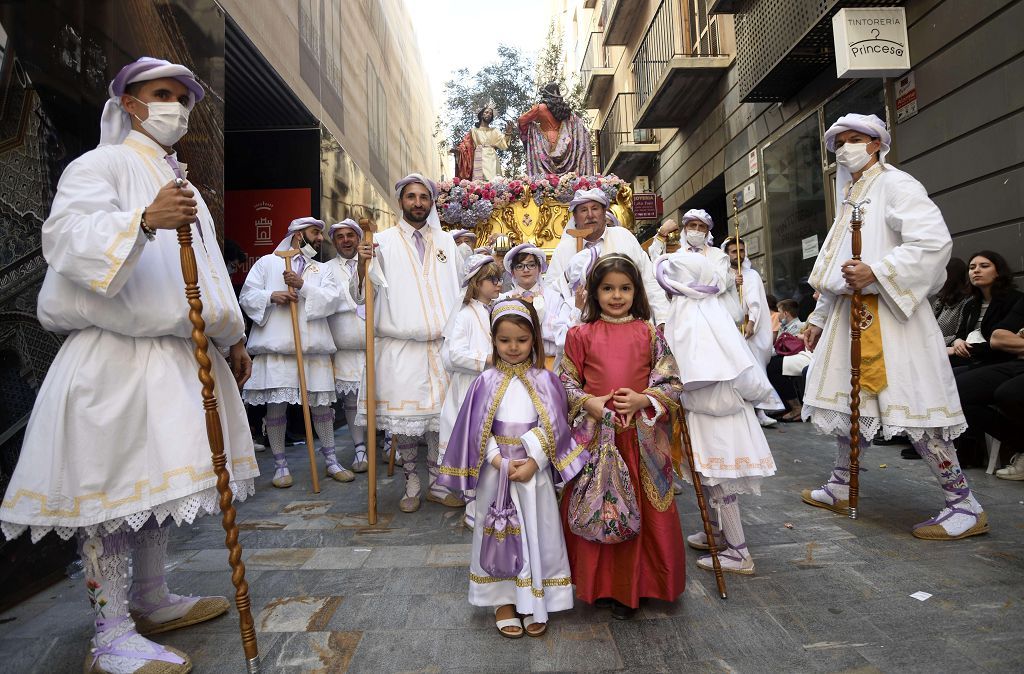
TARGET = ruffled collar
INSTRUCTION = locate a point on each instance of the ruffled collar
(628, 318)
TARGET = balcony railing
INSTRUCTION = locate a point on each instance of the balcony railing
(664, 41)
(596, 56)
(617, 130)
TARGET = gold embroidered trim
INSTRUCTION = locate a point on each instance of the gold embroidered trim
(489, 421)
(522, 582)
(542, 414)
(117, 261)
(621, 319)
(503, 534)
(547, 444)
(507, 440)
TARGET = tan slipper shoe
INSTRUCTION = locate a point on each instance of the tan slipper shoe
(449, 500)
(409, 504)
(839, 507)
(360, 466)
(205, 609)
(151, 667)
(342, 475)
(935, 532)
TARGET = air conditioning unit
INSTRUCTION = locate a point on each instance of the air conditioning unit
(641, 136)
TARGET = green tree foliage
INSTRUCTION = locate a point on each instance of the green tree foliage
(508, 84)
(549, 68)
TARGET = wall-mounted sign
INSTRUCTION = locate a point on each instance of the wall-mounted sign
(749, 192)
(257, 220)
(906, 98)
(752, 162)
(871, 42)
(809, 247)
(647, 206)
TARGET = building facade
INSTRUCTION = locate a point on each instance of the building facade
(722, 105)
(313, 107)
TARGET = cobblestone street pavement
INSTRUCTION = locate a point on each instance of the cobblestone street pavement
(331, 594)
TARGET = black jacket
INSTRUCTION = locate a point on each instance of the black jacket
(998, 310)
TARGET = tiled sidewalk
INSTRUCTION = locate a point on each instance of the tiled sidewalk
(331, 594)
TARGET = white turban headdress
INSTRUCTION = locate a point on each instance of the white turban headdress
(115, 122)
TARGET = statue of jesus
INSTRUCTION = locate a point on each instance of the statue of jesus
(476, 157)
(556, 139)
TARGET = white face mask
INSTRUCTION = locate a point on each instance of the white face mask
(167, 122)
(696, 238)
(307, 248)
(853, 156)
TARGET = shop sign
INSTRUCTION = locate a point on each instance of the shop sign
(752, 162)
(871, 42)
(906, 98)
(647, 206)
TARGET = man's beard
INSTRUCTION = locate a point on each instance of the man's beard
(411, 219)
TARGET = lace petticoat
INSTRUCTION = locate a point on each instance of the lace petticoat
(185, 509)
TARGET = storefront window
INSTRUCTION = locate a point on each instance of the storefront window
(865, 97)
(795, 200)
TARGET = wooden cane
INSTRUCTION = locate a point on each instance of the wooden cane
(739, 269)
(856, 316)
(709, 533)
(371, 386)
(579, 235)
(303, 393)
(215, 435)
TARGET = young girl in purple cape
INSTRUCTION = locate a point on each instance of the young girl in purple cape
(517, 410)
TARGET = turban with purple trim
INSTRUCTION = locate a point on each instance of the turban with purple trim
(115, 122)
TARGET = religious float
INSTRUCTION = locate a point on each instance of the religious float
(534, 209)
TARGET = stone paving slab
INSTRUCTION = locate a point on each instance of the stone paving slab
(332, 594)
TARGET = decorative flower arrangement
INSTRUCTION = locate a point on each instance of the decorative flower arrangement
(467, 203)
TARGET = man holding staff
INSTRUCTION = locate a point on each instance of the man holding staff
(348, 327)
(266, 297)
(416, 270)
(116, 447)
(907, 385)
(588, 211)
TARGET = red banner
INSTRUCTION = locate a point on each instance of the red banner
(257, 220)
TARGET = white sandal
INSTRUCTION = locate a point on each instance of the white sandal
(527, 621)
(502, 625)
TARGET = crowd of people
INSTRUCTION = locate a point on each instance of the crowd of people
(554, 399)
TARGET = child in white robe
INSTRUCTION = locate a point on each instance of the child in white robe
(526, 263)
(466, 351)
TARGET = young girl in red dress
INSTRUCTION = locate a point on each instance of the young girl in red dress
(621, 378)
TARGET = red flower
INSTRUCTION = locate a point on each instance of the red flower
(598, 182)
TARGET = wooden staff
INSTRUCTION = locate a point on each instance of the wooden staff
(215, 435)
(739, 269)
(579, 235)
(702, 505)
(303, 393)
(371, 387)
(856, 316)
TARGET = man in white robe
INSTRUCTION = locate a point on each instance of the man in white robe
(348, 327)
(267, 296)
(907, 384)
(752, 313)
(589, 209)
(416, 269)
(117, 441)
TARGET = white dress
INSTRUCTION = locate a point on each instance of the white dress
(907, 244)
(722, 381)
(413, 303)
(466, 347)
(117, 433)
(275, 372)
(348, 327)
(544, 585)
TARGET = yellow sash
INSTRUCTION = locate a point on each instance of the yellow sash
(872, 360)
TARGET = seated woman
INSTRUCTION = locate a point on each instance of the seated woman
(993, 297)
(783, 370)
